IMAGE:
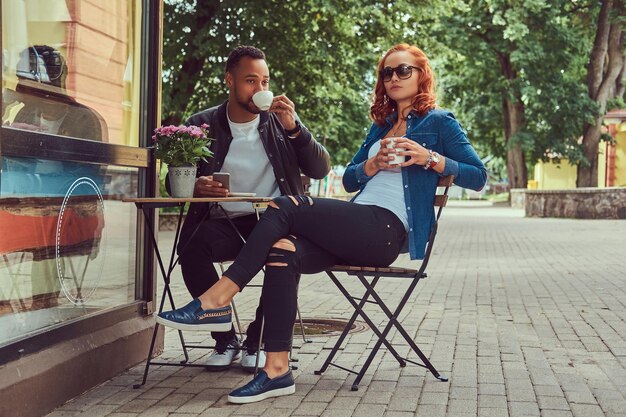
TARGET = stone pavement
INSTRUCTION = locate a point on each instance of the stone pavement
(526, 316)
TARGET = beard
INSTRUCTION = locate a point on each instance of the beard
(247, 104)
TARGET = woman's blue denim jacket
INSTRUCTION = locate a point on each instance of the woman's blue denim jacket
(437, 130)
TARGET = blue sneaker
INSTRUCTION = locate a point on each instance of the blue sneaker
(193, 317)
(263, 387)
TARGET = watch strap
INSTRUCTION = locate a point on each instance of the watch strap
(295, 130)
(434, 160)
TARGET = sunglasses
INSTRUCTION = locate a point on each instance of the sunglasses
(403, 71)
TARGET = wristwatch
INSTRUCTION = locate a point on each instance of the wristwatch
(433, 159)
(291, 133)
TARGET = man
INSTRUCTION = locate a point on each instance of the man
(264, 152)
(41, 103)
(47, 107)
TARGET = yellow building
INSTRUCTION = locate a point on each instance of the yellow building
(611, 166)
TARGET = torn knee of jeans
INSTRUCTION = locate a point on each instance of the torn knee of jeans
(276, 258)
(280, 264)
(280, 249)
(293, 200)
(273, 204)
(285, 244)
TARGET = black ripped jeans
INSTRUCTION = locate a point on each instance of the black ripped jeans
(324, 232)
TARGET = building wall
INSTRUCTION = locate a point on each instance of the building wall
(620, 157)
(559, 176)
(552, 176)
(603, 151)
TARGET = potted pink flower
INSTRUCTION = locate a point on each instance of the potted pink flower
(181, 147)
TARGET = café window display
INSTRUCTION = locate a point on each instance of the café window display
(70, 102)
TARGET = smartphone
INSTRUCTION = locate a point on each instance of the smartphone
(223, 178)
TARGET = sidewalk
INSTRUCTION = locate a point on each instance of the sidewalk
(525, 316)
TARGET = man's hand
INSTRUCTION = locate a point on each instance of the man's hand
(285, 110)
(27, 126)
(206, 187)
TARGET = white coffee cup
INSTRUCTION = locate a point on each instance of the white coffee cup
(263, 99)
(397, 159)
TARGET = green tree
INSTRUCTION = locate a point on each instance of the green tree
(322, 54)
(605, 81)
(512, 70)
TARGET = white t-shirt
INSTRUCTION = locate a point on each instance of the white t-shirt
(51, 127)
(385, 190)
(249, 167)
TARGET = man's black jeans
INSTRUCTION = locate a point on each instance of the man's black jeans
(216, 241)
(324, 232)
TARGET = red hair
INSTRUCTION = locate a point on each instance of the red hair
(423, 101)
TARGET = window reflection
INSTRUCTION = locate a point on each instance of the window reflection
(41, 103)
(67, 247)
(78, 58)
(67, 242)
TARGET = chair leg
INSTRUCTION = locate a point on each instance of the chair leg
(393, 322)
(346, 329)
(291, 358)
(304, 339)
(359, 311)
(234, 307)
(236, 314)
(149, 360)
(258, 349)
(337, 346)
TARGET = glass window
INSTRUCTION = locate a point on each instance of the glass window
(71, 68)
(68, 242)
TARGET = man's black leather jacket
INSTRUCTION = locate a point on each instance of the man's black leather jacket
(289, 157)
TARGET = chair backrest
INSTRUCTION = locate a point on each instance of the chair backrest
(306, 184)
(441, 200)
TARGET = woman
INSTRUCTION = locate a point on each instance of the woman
(299, 234)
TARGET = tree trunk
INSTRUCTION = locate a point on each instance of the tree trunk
(604, 73)
(515, 160)
(514, 121)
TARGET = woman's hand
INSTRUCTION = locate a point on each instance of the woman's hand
(380, 160)
(418, 155)
(206, 187)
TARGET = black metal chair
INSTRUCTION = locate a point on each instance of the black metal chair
(369, 277)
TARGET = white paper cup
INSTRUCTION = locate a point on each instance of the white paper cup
(397, 159)
(263, 100)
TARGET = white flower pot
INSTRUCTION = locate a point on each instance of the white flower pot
(182, 181)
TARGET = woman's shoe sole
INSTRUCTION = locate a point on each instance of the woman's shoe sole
(212, 327)
(268, 394)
